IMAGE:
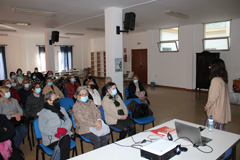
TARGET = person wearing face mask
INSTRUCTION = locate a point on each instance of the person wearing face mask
(51, 87)
(116, 112)
(35, 101)
(24, 92)
(36, 80)
(13, 91)
(20, 75)
(29, 75)
(136, 90)
(55, 125)
(49, 74)
(90, 77)
(72, 86)
(93, 93)
(14, 81)
(104, 89)
(87, 115)
(12, 110)
(37, 74)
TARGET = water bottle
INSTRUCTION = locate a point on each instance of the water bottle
(210, 123)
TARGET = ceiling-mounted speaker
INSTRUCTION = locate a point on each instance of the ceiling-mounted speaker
(129, 21)
(55, 36)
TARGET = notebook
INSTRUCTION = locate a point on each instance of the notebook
(192, 133)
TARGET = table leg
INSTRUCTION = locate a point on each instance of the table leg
(234, 157)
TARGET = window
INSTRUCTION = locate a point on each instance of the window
(65, 58)
(3, 69)
(217, 36)
(42, 58)
(168, 40)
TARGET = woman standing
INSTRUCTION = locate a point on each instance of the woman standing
(218, 104)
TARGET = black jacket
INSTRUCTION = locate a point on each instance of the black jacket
(132, 89)
(104, 92)
(34, 105)
(85, 81)
(23, 96)
(5, 123)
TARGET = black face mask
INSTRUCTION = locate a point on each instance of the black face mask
(56, 103)
(92, 86)
(89, 77)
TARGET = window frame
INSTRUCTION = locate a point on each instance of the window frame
(215, 38)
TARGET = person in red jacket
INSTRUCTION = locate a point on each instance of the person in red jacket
(14, 92)
(72, 86)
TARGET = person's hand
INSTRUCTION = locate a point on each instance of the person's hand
(5, 129)
(17, 116)
(124, 117)
(98, 106)
(98, 125)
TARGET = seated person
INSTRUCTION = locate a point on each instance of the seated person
(72, 86)
(35, 101)
(116, 113)
(14, 93)
(87, 115)
(36, 80)
(93, 93)
(104, 89)
(20, 75)
(89, 77)
(38, 75)
(12, 110)
(14, 81)
(51, 87)
(7, 132)
(136, 90)
(49, 74)
(24, 92)
(55, 125)
(29, 75)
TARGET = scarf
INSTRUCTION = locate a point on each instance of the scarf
(6, 149)
(55, 109)
(114, 100)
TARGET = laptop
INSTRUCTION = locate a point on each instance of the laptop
(192, 133)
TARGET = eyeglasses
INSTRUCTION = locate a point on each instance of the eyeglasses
(84, 94)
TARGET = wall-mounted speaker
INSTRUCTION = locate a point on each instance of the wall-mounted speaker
(55, 36)
(129, 22)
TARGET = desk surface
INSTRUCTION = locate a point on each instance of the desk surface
(221, 142)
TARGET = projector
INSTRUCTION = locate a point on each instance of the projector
(161, 150)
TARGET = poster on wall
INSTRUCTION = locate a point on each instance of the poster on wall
(118, 64)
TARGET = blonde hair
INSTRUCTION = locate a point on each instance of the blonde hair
(4, 89)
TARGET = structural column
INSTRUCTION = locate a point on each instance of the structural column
(49, 50)
(114, 45)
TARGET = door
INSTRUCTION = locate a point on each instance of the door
(139, 64)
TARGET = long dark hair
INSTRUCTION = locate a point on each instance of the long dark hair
(218, 69)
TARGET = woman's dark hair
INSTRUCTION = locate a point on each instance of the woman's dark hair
(19, 69)
(218, 69)
(33, 86)
(12, 73)
(109, 85)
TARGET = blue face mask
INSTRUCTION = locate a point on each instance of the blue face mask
(84, 99)
(135, 81)
(34, 77)
(7, 95)
(38, 90)
(50, 75)
(114, 92)
(27, 85)
(73, 79)
(14, 77)
(9, 85)
(20, 73)
(50, 83)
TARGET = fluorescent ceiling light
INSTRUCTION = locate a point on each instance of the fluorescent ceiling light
(176, 14)
(16, 23)
(75, 34)
(8, 30)
(34, 12)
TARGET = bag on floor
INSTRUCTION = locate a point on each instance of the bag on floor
(139, 110)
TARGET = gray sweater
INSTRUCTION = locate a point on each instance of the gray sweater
(10, 107)
(49, 122)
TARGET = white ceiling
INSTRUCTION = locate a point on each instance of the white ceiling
(79, 15)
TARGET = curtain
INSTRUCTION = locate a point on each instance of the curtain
(66, 58)
(42, 58)
(3, 68)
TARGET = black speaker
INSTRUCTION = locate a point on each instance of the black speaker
(55, 36)
(129, 22)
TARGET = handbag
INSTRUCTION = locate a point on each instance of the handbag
(139, 110)
(104, 130)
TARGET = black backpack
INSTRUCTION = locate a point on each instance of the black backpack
(139, 110)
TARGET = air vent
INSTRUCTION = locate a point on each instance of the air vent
(176, 14)
(75, 34)
(7, 30)
(14, 22)
(34, 12)
(3, 34)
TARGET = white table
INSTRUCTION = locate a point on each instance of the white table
(221, 142)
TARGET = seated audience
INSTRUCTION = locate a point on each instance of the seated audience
(24, 92)
(29, 75)
(36, 80)
(20, 75)
(104, 89)
(14, 81)
(136, 90)
(71, 86)
(7, 132)
(12, 110)
(37, 74)
(89, 77)
(51, 87)
(93, 93)
(14, 93)
(116, 113)
(87, 115)
(49, 74)
(35, 101)
(55, 125)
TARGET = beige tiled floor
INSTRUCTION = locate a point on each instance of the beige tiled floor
(166, 104)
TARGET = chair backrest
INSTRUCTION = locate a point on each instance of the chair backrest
(102, 112)
(36, 129)
(72, 118)
(66, 103)
(65, 92)
(126, 92)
